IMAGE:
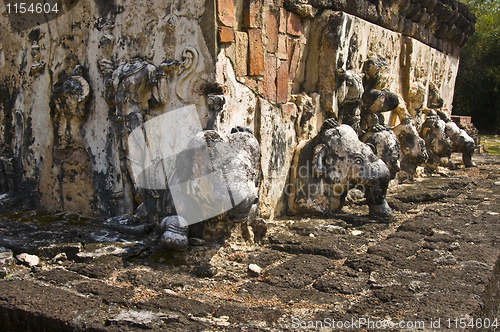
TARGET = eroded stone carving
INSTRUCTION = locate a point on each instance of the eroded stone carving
(434, 132)
(230, 189)
(38, 65)
(69, 96)
(350, 99)
(134, 89)
(416, 103)
(437, 142)
(215, 104)
(328, 165)
(307, 107)
(413, 150)
(460, 140)
(376, 100)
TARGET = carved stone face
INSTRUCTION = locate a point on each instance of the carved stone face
(435, 101)
(436, 140)
(386, 147)
(327, 166)
(377, 73)
(413, 148)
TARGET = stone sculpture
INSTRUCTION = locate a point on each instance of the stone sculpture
(325, 168)
(71, 159)
(215, 104)
(350, 99)
(68, 101)
(416, 103)
(437, 142)
(133, 88)
(460, 140)
(434, 132)
(37, 65)
(413, 150)
(376, 100)
(229, 191)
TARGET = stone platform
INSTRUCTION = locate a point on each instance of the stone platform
(437, 260)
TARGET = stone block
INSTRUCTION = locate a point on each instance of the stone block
(283, 19)
(252, 14)
(282, 82)
(226, 34)
(241, 63)
(256, 53)
(270, 77)
(272, 17)
(294, 25)
(282, 52)
(294, 56)
(290, 109)
(276, 158)
(225, 12)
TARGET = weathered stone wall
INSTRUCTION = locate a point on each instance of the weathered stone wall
(276, 61)
(89, 32)
(285, 52)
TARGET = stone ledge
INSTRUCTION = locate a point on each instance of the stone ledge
(436, 23)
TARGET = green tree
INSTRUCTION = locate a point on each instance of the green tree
(478, 81)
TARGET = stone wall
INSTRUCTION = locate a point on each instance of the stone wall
(275, 60)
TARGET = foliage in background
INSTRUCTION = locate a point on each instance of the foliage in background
(477, 90)
(491, 144)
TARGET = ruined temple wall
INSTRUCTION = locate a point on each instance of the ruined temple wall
(90, 182)
(276, 61)
(273, 56)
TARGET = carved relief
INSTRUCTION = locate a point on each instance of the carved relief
(325, 168)
(69, 96)
(460, 140)
(413, 151)
(134, 89)
(37, 65)
(350, 99)
(376, 100)
(416, 103)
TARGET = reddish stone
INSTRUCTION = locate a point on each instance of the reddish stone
(225, 12)
(294, 25)
(272, 30)
(282, 82)
(294, 56)
(252, 14)
(290, 109)
(283, 16)
(255, 52)
(255, 83)
(282, 47)
(270, 78)
(226, 34)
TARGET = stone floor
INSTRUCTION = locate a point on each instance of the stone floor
(433, 266)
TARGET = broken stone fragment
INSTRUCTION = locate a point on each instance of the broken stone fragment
(60, 257)
(254, 270)
(71, 250)
(205, 271)
(175, 233)
(141, 318)
(6, 257)
(28, 260)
